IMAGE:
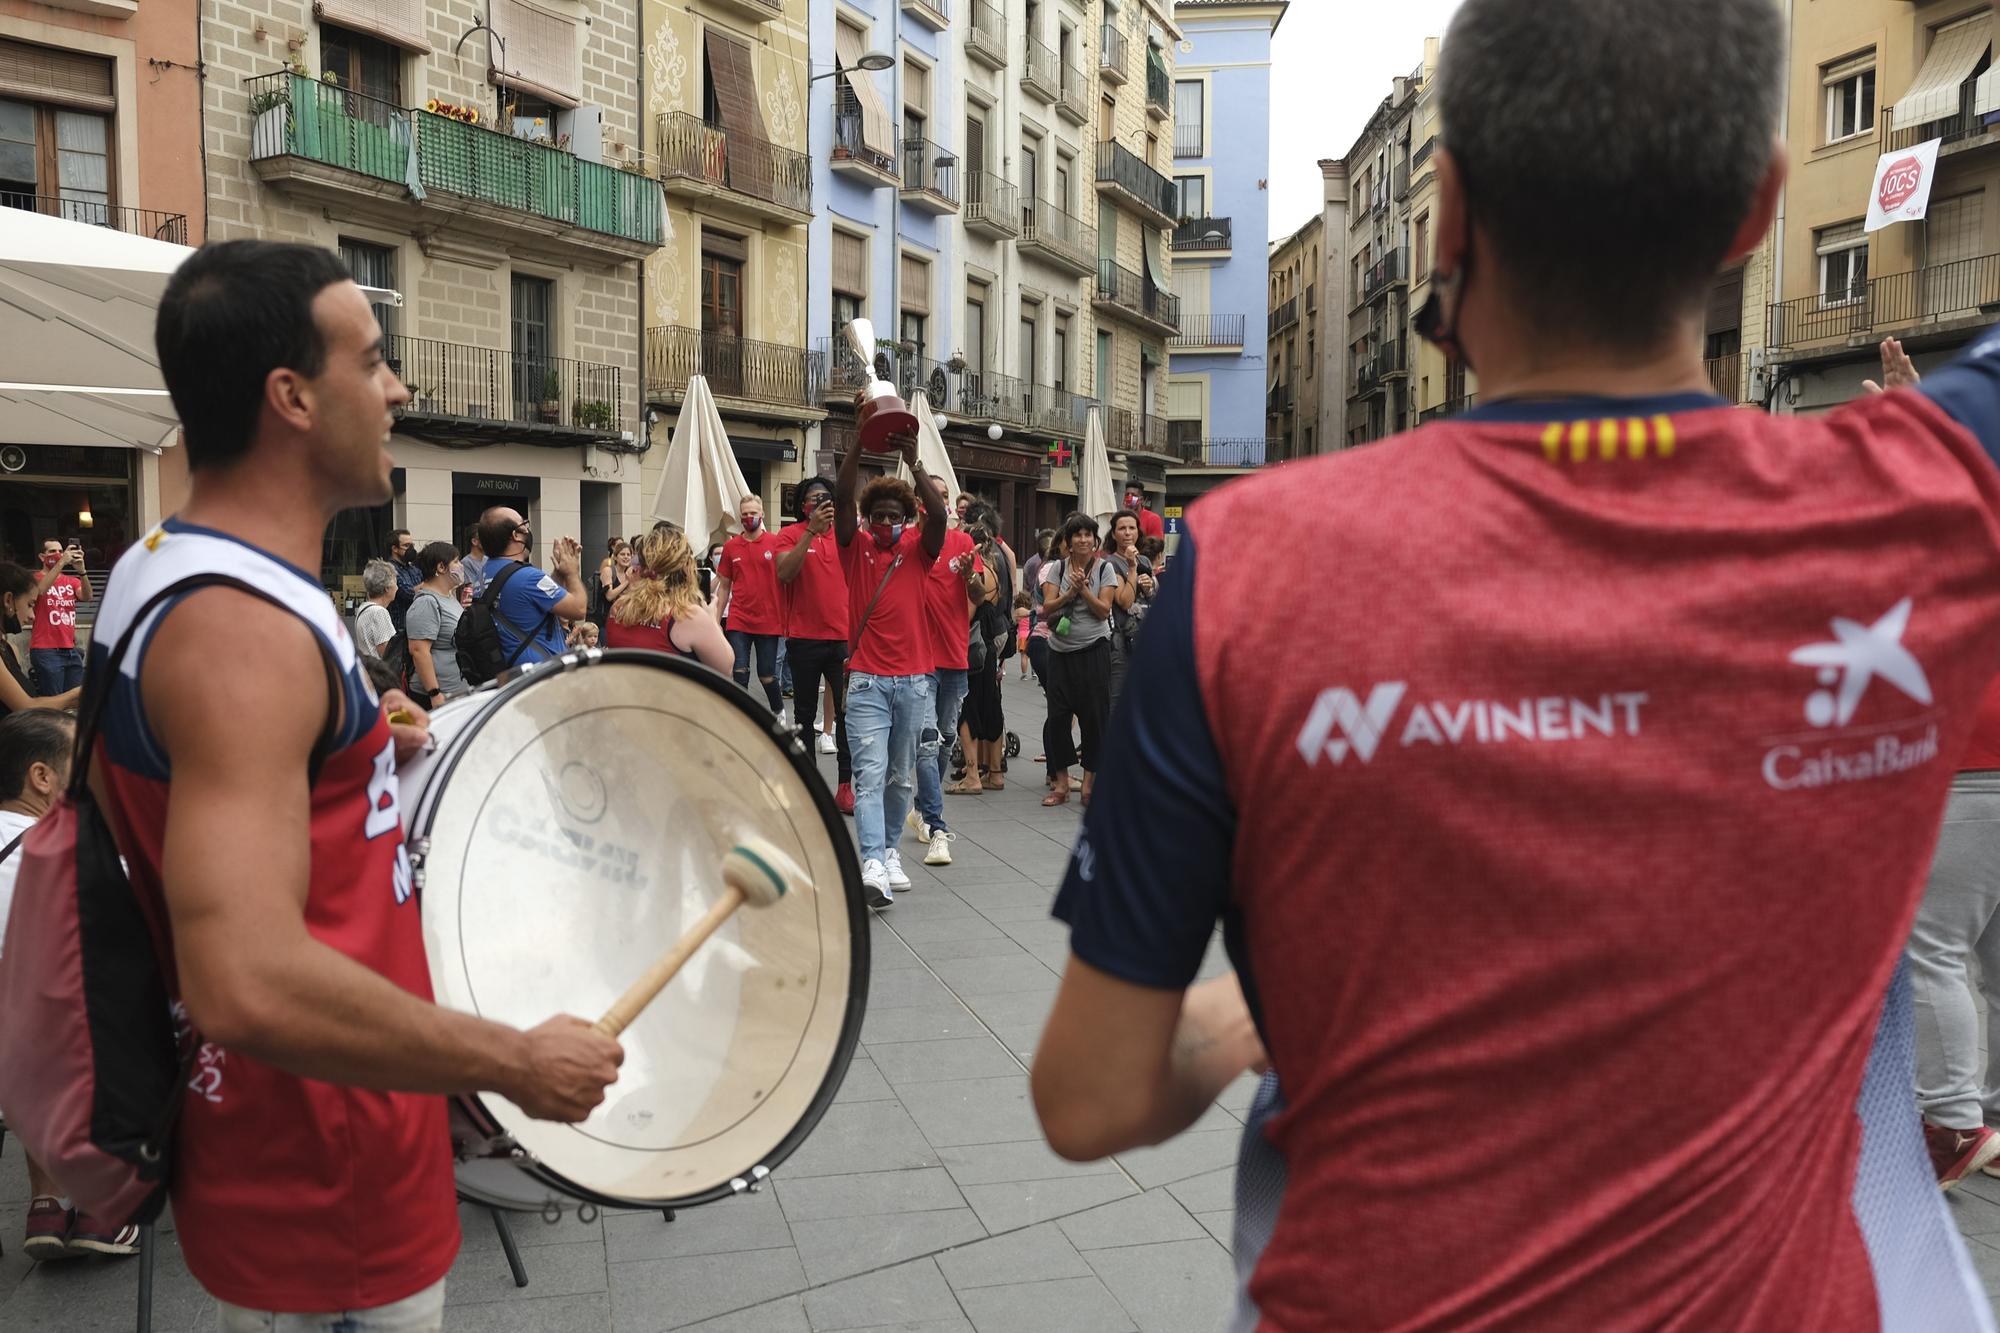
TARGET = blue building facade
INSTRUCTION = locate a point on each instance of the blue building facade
(1221, 160)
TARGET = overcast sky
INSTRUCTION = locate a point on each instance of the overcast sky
(1331, 65)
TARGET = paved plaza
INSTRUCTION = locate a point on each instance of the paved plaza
(925, 1201)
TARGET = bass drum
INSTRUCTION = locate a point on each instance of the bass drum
(567, 828)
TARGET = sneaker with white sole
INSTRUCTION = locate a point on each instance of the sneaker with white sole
(940, 851)
(875, 884)
(827, 744)
(892, 861)
(914, 825)
(89, 1236)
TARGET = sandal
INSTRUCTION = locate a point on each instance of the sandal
(996, 783)
(960, 789)
(1056, 796)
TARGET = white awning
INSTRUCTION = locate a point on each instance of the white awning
(1986, 93)
(90, 416)
(1955, 53)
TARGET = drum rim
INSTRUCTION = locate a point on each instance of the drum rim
(786, 738)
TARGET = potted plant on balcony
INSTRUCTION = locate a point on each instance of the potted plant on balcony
(592, 415)
(270, 116)
(551, 406)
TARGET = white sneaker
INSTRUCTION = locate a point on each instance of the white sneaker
(875, 883)
(827, 744)
(940, 852)
(919, 831)
(893, 862)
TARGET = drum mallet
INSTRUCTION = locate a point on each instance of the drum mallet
(753, 872)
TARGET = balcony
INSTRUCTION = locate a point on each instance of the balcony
(1726, 374)
(132, 221)
(992, 206)
(933, 14)
(1224, 332)
(956, 387)
(1112, 49)
(1126, 295)
(1059, 238)
(755, 378)
(741, 175)
(1202, 236)
(1042, 72)
(757, 11)
(1400, 182)
(485, 394)
(1159, 86)
(1312, 300)
(1137, 432)
(1391, 270)
(1284, 316)
(411, 169)
(1385, 363)
(930, 177)
(1279, 401)
(986, 35)
(1943, 298)
(1073, 98)
(1188, 139)
(1186, 443)
(1122, 175)
(852, 156)
(1963, 130)
(1450, 407)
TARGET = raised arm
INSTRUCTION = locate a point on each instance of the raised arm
(931, 495)
(253, 977)
(847, 491)
(566, 566)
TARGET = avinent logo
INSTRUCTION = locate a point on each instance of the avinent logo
(1340, 723)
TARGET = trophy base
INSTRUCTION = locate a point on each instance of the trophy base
(878, 426)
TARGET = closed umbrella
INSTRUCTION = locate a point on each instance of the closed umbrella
(930, 447)
(702, 485)
(1094, 494)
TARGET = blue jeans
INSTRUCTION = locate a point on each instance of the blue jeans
(421, 1313)
(57, 670)
(934, 747)
(765, 649)
(885, 717)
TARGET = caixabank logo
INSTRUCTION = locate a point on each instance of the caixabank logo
(1342, 723)
(1848, 665)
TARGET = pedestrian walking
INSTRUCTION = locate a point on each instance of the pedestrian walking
(746, 601)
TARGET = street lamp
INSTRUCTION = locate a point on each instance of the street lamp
(872, 61)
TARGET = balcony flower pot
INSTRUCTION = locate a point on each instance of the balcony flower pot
(270, 133)
(592, 415)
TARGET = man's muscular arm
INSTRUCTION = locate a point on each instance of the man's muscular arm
(237, 865)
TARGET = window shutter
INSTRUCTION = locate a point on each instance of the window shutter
(917, 87)
(1184, 400)
(45, 74)
(1725, 303)
(850, 265)
(539, 51)
(916, 296)
(877, 126)
(1842, 236)
(397, 21)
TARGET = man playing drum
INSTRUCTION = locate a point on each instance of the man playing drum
(315, 1169)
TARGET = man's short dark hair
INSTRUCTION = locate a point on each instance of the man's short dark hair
(1611, 151)
(496, 532)
(29, 737)
(1076, 523)
(886, 487)
(234, 312)
(397, 537)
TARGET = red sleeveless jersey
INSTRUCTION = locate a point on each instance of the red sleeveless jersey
(291, 1194)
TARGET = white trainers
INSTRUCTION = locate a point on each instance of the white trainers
(940, 852)
(919, 831)
(827, 744)
(893, 863)
(875, 883)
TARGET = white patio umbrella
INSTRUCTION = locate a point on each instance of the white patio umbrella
(1093, 483)
(702, 485)
(931, 450)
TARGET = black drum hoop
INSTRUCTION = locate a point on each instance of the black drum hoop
(786, 738)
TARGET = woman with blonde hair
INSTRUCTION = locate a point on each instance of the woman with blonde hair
(663, 609)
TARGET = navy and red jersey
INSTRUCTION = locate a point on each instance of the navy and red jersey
(815, 603)
(290, 1194)
(1564, 789)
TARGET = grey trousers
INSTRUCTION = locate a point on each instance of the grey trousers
(1959, 920)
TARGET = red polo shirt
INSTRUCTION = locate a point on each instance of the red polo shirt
(750, 567)
(815, 603)
(896, 640)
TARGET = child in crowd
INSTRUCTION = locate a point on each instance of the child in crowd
(1024, 606)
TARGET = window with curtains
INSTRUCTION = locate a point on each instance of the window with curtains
(373, 266)
(55, 132)
(916, 307)
(1843, 262)
(1190, 131)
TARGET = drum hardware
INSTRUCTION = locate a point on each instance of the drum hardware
(752, 1185)
(472, 1148)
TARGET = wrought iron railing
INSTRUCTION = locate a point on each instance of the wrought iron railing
(1064, 235)
(930, 168)
(849, 142)
(1136, 294)
(1159, 85)
(992, 200)
(757, 372)
(688, 148)
(132, 221)
(1400, 180)
(1197, 234)
(1386, 360)
(1726, 374)
(1280, 399)
(1073, 97)
(986, 35)
(1965, 289)
(1391, 268)
(1209, 331)
(488, 384)
(957, 388)
(935, 13)
(1186, 442)
(1188, 138)
(292, 115)
(1118, 165)
(1112, 46)
(1041, 72)
(1964, 122)
(1285, 315)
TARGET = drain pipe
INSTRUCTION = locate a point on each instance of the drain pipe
(1773, 382)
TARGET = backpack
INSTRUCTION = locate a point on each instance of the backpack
(96, 1057)
(481, 657)
(396, 656)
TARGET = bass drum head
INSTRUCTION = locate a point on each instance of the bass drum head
(576, 831)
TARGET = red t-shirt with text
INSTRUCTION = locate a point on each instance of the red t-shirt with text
(55, 613)
(814, 603)
(896, 639)
(751, 568)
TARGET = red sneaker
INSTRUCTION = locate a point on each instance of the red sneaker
(89, 1236)
(843, 800)
(48, 1230)
(1957, 1153)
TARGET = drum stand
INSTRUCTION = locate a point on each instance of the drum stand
(501, 1225)
(148, 1255)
